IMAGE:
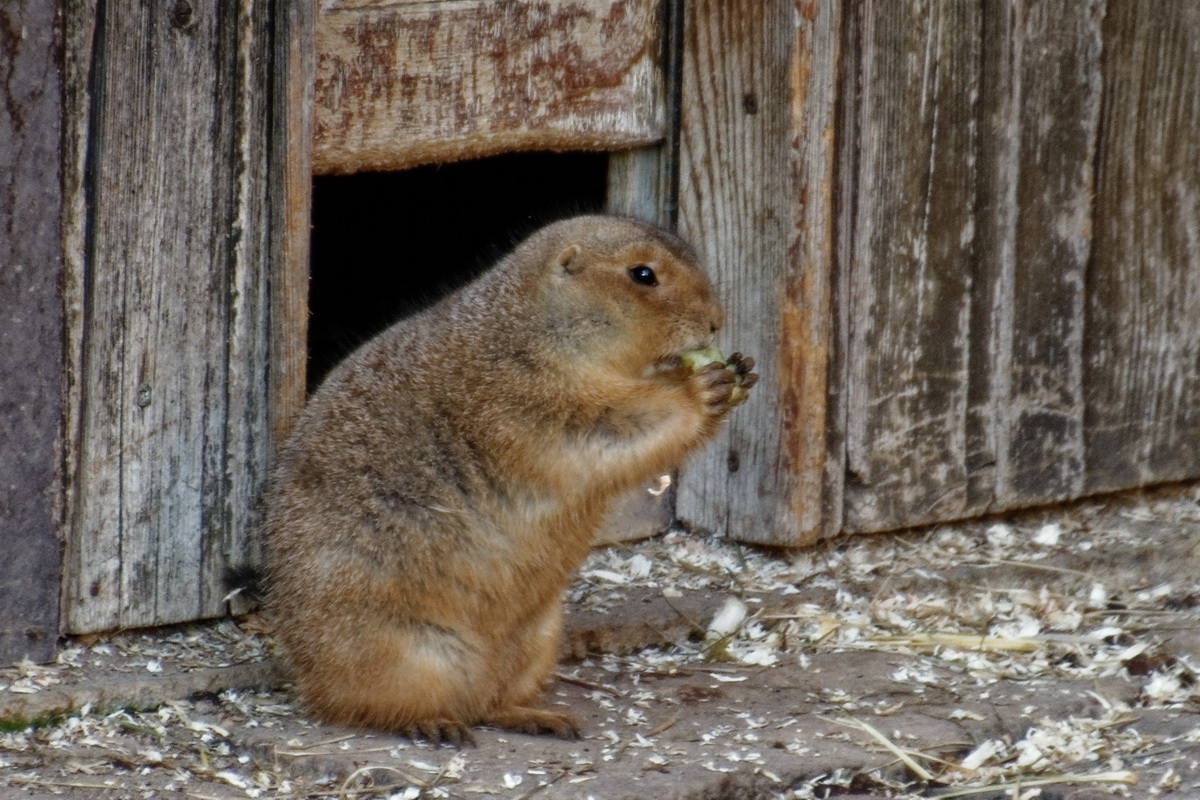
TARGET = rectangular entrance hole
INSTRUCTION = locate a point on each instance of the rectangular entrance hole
(387, 244)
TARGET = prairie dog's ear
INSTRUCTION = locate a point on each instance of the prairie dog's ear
(568, 259)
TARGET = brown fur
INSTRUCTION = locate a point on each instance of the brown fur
(443, 483)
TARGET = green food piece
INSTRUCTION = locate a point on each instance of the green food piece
(739, 393)
(696, 360)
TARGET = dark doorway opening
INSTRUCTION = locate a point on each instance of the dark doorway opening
(387, 244)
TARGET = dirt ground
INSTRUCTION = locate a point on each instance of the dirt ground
(1052, 654)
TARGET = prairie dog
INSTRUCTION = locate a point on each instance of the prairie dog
(443, 483)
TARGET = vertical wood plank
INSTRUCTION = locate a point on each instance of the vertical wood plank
(806, 293)
(247, 43)
(1040, 394)
(909, 267)
(156, 321)
(1142, 365)
(79, 19)
(970, 234)
(290, 186)
(179, 289)
(846, 150)
(635, 185)
(755, 196)
(992, 288)
(644, 182)
(31, 328)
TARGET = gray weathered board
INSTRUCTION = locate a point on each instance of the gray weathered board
(756, 198)
(1021, 273)
(1141, 359)
(31, 328)
(1003, 309)
(181, 297)
(402, 84)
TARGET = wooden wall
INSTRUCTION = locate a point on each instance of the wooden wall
(1021, 275)
(31, 328)
(185, 294)
(1005, 308)
(962, 238)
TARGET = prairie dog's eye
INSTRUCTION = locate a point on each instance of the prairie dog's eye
(643, 275)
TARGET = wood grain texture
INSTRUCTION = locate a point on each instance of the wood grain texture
(79, 19)
(31, 329)
(176, 295)
(913, 233)
(636, 186)
(290, 182)
(971, 233)
(992, 286)
(1040, 398)
(755, 198)
(806, 293)
(1142, 346)
(400, 85)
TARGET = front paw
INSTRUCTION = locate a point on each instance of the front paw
(741, 366)
(714, 386)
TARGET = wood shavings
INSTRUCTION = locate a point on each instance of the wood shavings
(875, 734)
(1123, 777)
(1071, 598)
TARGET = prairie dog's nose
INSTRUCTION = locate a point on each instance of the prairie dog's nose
(716, 318)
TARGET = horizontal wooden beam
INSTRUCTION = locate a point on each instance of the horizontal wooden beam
(399, 85)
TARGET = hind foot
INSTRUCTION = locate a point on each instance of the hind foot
(439, 732)
(534, 721)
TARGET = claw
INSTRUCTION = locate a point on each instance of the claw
(439, 732)
(535, 721)
(741, 364)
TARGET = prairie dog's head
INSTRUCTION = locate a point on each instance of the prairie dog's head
(624, 292)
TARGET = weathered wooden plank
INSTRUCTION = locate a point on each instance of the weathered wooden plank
(290, 183)
(79, 38)
(970, 240)
(1040, 388)
(805, 298)
(270, 233)
(176, 308)
(1041, 102)
(31, 328)
(400, 85)
(635, 184)
(992, 281)
(909, 266)
(755, 198)
(153, 328)
(1142, 362)
(846, 150)
(644, 182)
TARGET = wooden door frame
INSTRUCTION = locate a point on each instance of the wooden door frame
(31, 330)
